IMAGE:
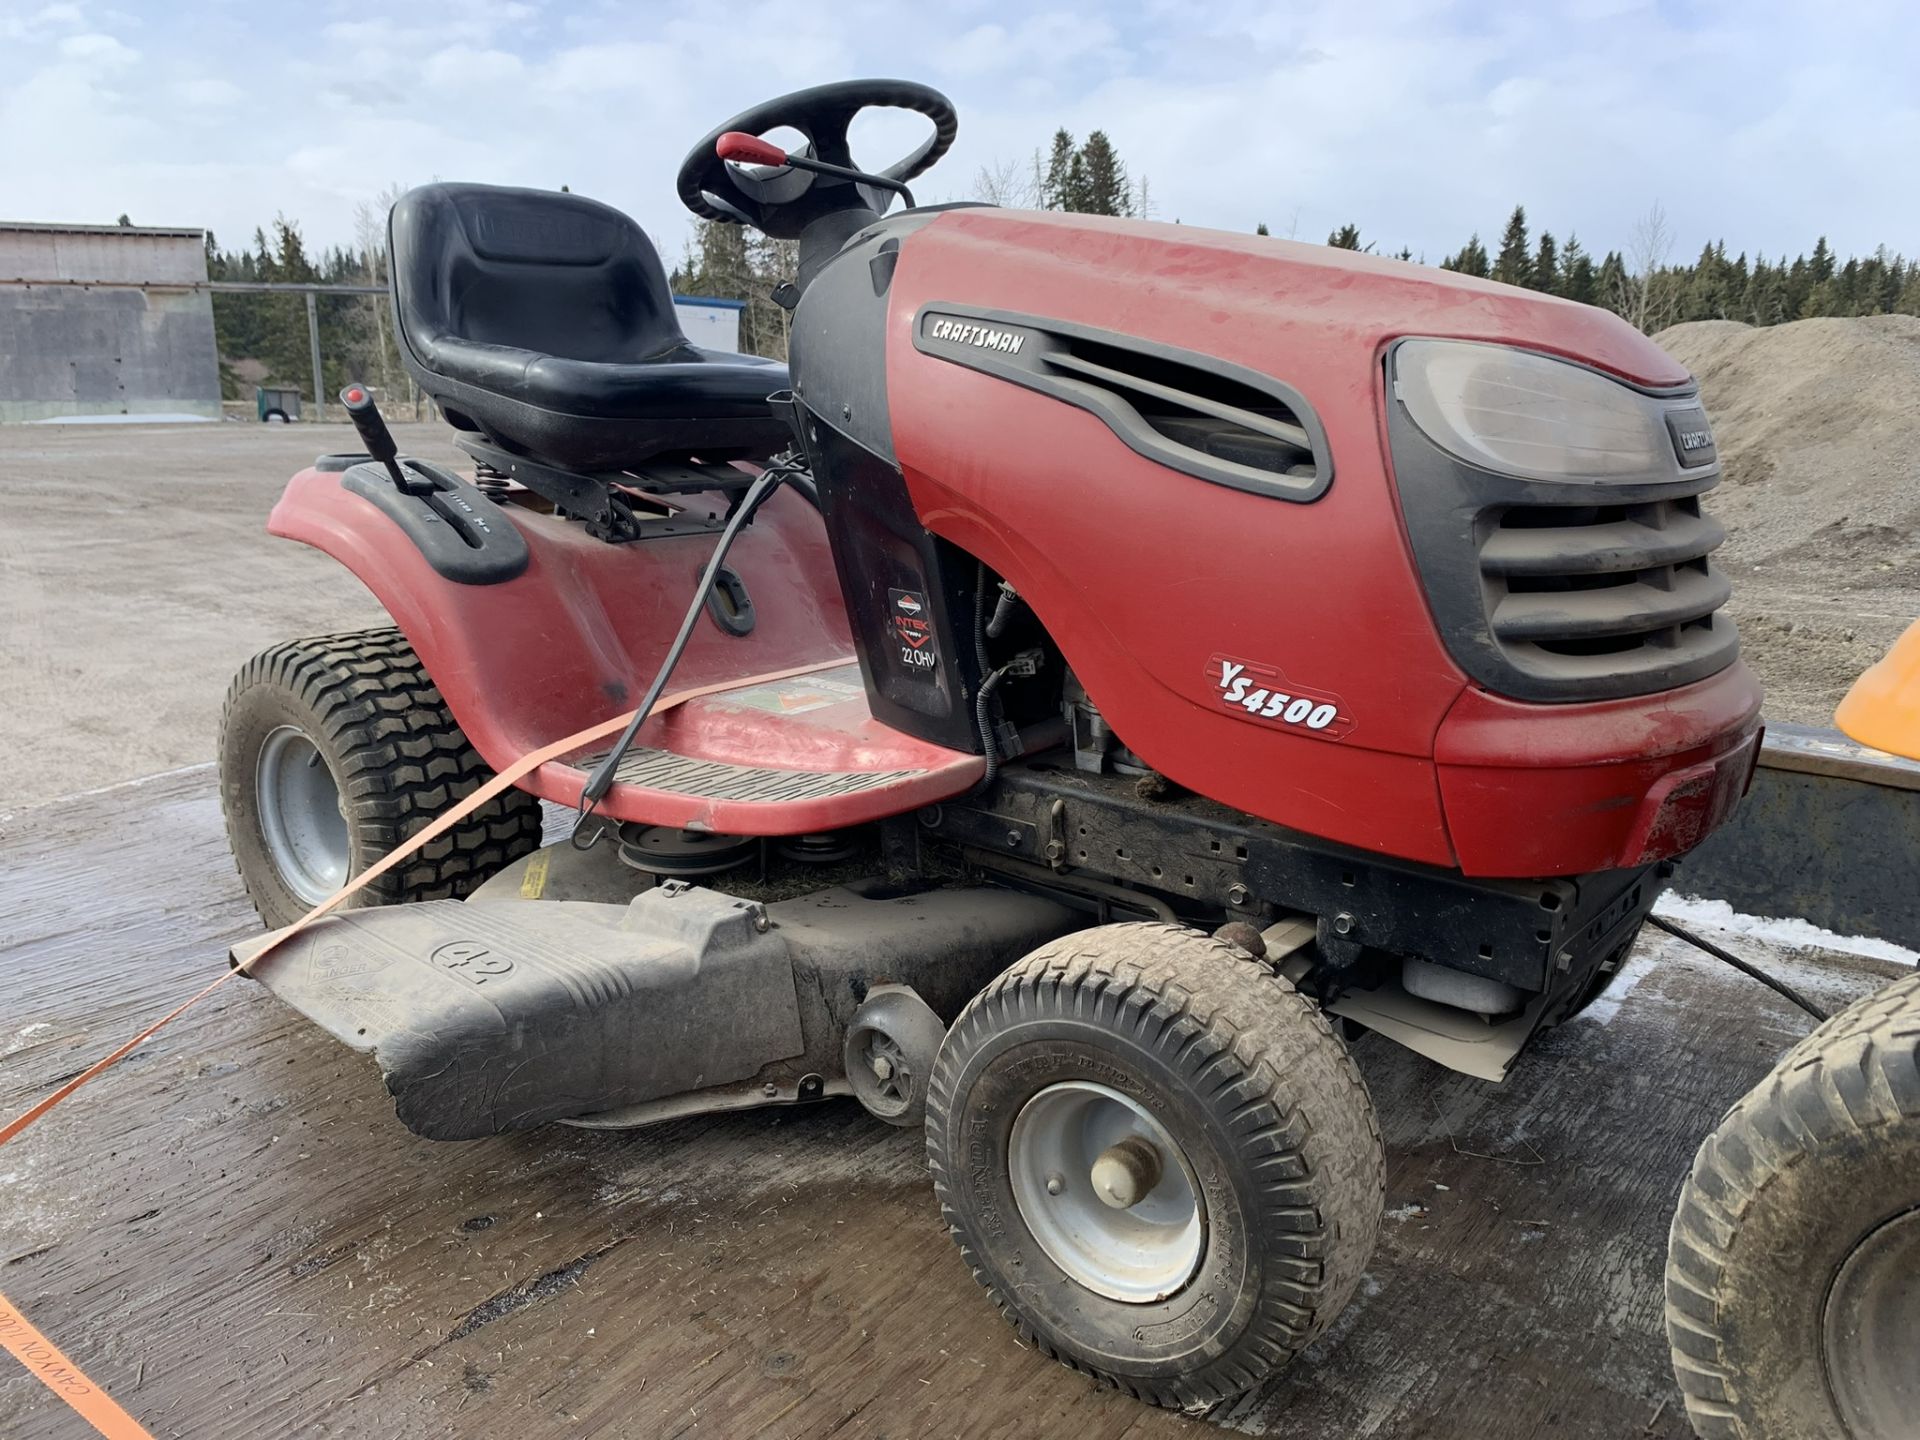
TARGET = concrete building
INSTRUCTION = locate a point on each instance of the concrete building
(99, 320)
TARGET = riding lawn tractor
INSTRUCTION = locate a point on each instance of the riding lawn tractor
(1112, 665)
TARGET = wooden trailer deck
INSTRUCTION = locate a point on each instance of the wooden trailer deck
(233, 1235)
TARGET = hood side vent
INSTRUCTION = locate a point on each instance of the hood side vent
(1202, 411)
(1209, 418)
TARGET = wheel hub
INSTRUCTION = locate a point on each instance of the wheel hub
(892, 1081)
(1126, 1172)
(1867, 1332)
(1106, 1192)
(300, 815)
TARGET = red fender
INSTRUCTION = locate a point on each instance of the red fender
(577, 635)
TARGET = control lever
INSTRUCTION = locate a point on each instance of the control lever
(379, 440)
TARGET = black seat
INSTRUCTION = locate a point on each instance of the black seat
(544, 322)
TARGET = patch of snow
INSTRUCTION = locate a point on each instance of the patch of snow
(1412, 1211)
(1793, 932)
(26, 1035)
(1602, 1011)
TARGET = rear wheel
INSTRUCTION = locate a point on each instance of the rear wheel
(333, 750)
(1793, 1270)
(1157, 1159)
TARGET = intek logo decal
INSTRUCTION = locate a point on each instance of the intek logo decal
(1263, 693)
(912, 629)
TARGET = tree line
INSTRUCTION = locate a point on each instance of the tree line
(263, 338)
(1637, 280)
(1642, 285)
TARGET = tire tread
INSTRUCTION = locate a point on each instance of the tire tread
(1854, 1075)
(1205, 1007)
(405, 761)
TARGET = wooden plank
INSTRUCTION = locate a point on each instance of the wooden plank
(233, 1234)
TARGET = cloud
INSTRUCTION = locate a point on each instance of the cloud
(97, 50)
(210, 92)
(465, 65)
(1420, 120)
(40, 22)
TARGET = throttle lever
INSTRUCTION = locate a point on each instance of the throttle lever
(367, 420)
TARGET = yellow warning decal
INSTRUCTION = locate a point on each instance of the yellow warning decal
(533, 884)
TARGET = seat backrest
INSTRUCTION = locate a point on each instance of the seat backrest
(532, 270)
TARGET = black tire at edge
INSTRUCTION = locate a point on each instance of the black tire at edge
(1802, 1168)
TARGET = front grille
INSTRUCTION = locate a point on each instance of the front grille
(1597, 583)
(1561, 591)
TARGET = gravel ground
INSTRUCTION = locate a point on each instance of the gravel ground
(136, 575)
(1819, 427)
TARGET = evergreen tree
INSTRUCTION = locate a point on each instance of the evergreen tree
(1576, 272)
(1822, 267)
(1610, 287)
(1909, 301)
(1470, 260)
(1075, 190)
(1104, 179)
(1515, 265)
(1347, 237)
(1089, 179)
(1765, 302)
(1054, 191)
(1545, 274)
(1261, 228)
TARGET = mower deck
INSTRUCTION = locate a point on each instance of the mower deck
(770, 757)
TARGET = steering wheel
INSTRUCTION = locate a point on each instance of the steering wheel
(783, 200)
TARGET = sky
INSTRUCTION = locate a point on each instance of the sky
(1762, 122)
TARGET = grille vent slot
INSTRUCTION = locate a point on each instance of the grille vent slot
(1210, 418)
(1583, 582)
(1194, 408)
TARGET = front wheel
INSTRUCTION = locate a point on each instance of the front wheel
(336, 748)
(1157, 1159)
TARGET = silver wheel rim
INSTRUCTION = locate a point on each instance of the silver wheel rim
(1872, 1315)
(1136, 1253)
(300, 815)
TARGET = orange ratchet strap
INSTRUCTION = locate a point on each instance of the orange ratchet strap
(34, 1350)
(60, 1375)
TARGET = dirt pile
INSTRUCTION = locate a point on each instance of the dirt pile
(1818, 424)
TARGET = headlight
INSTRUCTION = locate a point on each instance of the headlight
(1527, 414)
